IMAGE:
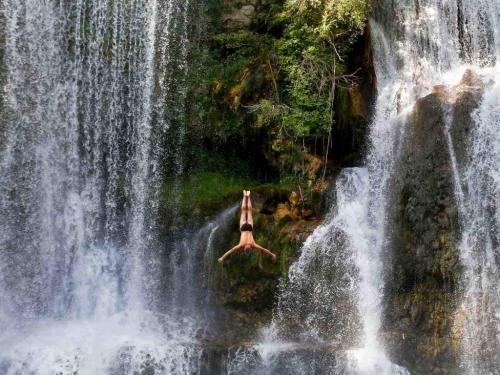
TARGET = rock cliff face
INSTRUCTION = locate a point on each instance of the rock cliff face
(239, 14)
(422, 330)
(421, 324)
(248, 282)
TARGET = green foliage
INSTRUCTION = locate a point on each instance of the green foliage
(268, 112)
(276, 77)
(332, 16)
(317, 34)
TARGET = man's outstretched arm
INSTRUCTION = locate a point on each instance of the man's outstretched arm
(236, 248)
(265, 251)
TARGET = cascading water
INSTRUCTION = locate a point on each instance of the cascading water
(445, 43)
(332, 297)
(85, 89)
(338, 281)
(480, 244)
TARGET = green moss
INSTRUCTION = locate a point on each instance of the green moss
(204, 192)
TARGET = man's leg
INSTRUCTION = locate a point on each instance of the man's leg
(249, 210)
(243, 215)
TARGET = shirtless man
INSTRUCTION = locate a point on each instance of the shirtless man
(247, 241)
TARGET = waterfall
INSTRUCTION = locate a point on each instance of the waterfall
(87, 87)
(480, 244)
(441, 44)
(93, 109)
(333, 294)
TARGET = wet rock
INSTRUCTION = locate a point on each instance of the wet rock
(422, 288)
(289, 359)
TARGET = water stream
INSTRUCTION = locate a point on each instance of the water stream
(451, 40)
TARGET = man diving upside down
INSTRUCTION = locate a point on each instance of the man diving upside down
(247, 241)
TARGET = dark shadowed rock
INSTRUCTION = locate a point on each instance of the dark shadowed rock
(354, 104)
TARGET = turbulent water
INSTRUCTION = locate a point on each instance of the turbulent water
(480, 181)
(86, 84)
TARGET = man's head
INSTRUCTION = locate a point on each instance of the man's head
(247, 247)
